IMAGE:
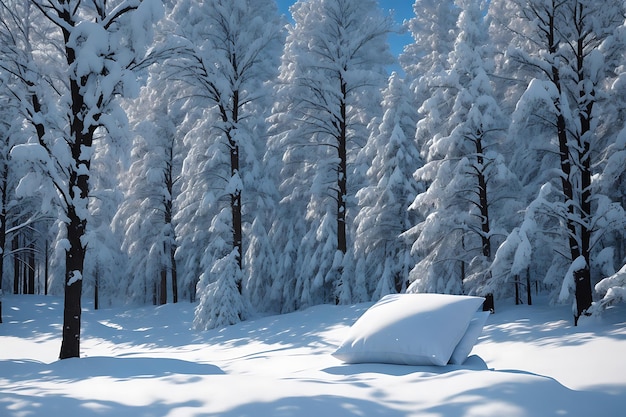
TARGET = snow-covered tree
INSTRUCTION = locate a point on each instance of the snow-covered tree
(233, 51)
(8, 118)
(145, 218)
(612, 289)
(23, 221)
(433, 30)
(467, 175)
(425, 62)
(333, 67)
(105, 262)
(569, 47)
(383, 258)
(101, 44)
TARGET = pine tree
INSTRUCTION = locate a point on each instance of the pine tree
(104, 261)
(568, 48)
(333, 64)
(465, 171)
(10, 122)
(146, 216)
(383, 257)
(231, 50)
(433, 31)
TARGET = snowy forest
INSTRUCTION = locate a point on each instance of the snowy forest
(220, 153)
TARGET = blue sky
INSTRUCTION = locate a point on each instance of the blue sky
(403, 9)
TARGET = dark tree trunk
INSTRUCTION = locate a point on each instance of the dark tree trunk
(566, 168)
(235, 206)
(463, 266)
(170, 246)
(483, 200)
(162, 297)
(174, 275)
(15, 244)
(3, 227)
(46, 263)
(583, 277)
(24, 274)
(74, 262)
(96, 301)
(234, 170)
(342, 173)
(31, 268)
(235, 197)
(78, 193)
(529, 296)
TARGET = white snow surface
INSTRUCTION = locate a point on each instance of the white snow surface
(529, 361)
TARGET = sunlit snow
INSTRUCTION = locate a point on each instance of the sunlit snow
(530, 361)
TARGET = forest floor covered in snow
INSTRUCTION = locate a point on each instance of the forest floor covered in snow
(530, 361)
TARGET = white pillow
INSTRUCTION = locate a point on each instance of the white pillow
(409, 329)
(465, 346)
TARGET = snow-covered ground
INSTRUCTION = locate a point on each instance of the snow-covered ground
(530, 361)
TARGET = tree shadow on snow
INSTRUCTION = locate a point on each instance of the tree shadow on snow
(117, 368)
(297, 329)
(16, 405)
(491, 392)
(552, 326)
(170, 326)
(318, 405)
(522, 393)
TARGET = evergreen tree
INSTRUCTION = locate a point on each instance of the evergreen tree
(232, 48)
(433, 30)
(383, 258)
(569, 48)
(333, 66)
(104, 261)
(466, 173)
(146, 215)
(10, 122)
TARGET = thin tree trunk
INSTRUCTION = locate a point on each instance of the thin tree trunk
(342, 192)
(3, 228)
(46, 267)
(170, 246)
(566, 168)
(15, 244)
(583, 277)
(163, 287)
(30, 268)
(96, 302)
(529, 297)
(235, 197)
(174, 275)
